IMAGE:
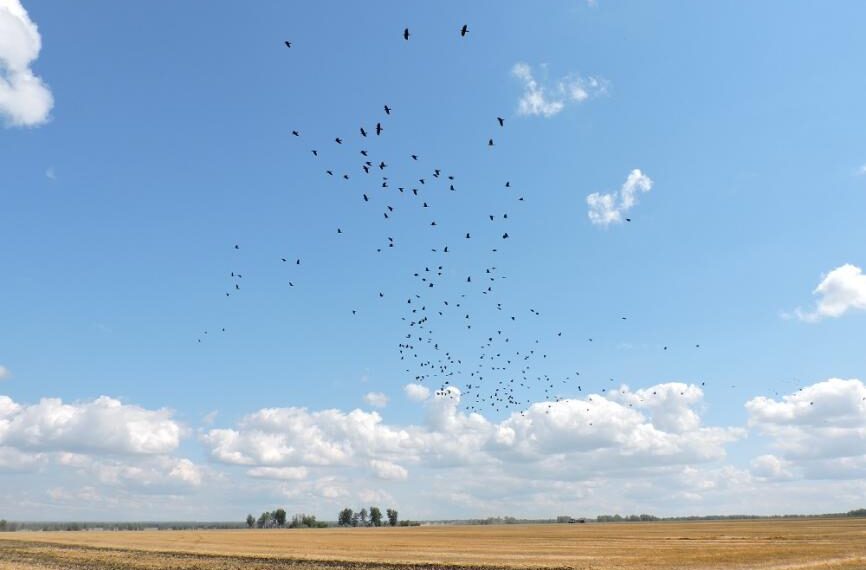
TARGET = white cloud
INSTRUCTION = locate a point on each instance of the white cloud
(770, 467)
(547, 101)
(416, 392)
(840, 291)
(606, 209)
(25, 100)
(376, 399)
(104, 425)
(387, 470)
(279, 473)
(818, 431)
(563, 440)
(4, 372)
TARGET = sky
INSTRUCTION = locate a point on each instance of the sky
(693, 182)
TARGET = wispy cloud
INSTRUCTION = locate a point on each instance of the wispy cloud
(543, 100)
(4, 372)
(25, 100)
(606, 209)
(376, 399)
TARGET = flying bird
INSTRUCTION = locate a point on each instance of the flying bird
(338, 140)
(387, 110)
(490, 142)
(501, 121)
(379, 129)
(464, 30)
(363, 132)
(406, 33)
(288, 43)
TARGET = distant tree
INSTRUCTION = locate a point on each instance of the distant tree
(280, 517)
(345, 517)
(356, 519)
(2, 525)
(375, 516)
(392, 517)
(363, 516)
(265, 520)
(251, 521)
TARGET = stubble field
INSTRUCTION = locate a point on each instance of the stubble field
(778, 545)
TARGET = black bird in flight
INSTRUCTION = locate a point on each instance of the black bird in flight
(379, 129)
(490, 142)
(237, 246)
(414, 157)
(501, 121)
(628, 219)
(406, 33)
(464, 30)
(364, 152)
(363, 132)
(288, 43)
(387, 110)
(338, 140)
(296, 133)
(315, 152)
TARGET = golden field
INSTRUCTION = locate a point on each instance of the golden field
(778, 544)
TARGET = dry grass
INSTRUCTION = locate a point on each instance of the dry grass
(779, 545)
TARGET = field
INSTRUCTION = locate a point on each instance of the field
(779, 545)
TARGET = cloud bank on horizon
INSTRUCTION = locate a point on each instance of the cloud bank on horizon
(648, 447)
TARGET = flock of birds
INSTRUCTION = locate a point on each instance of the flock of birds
(502, 374)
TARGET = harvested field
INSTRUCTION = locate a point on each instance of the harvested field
(777, 545)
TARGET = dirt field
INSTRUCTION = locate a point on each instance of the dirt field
(778, 545)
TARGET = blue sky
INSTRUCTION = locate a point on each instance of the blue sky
(165, 140)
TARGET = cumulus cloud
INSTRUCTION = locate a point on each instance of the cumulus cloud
(770, 467)
(606, 209)
(592, 437)
(387, 470)
(416, 392)
(818, 431)
(840, 291)
(104, 425)
(376, 399)
(25, 100)
(549, 100)
(279, 473)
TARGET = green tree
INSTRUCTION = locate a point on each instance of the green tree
(375, 516)
(280, 517)
(345, 517)
(392, 517)
(265, 520)
(363, 516)
(251, 521)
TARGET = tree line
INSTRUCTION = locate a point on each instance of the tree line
(373, 517)
(277, 519)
